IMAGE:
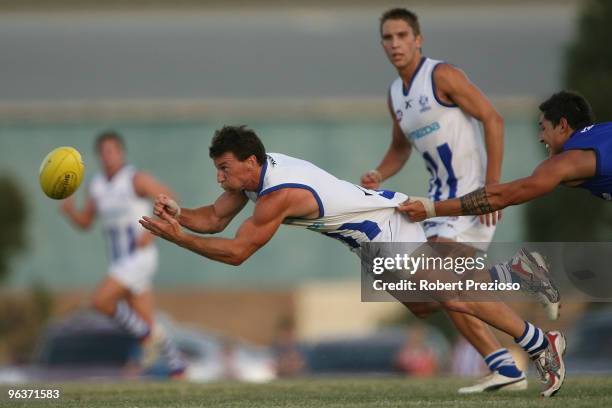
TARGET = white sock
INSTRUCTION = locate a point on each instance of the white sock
(129, 320)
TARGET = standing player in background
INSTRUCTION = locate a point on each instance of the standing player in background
(435, 109)
(120, 195)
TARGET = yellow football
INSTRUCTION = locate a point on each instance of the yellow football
(61, 172)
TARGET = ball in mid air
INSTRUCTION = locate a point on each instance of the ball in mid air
(61, 172)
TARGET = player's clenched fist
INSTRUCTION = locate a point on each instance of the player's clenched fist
(371, 179)
(165, 204)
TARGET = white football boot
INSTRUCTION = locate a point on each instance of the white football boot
(496, 382)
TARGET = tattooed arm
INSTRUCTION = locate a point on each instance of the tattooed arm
(570, 166)
(573, 167)
(476, 202)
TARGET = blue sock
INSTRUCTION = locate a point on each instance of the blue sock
(502, 362)
(533, 340)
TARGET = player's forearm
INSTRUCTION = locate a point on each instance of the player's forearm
(494, 143)
(493, 198)
(200, 220)
(81, 220)
(218, 249)
(485, 200)
(394, 160)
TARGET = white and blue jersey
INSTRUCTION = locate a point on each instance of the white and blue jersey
(119, 208)
(599, 139)
(448, 138)
(452, 147)
(347, 212)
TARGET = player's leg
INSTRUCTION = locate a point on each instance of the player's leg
(142, 304)
(110, 299)
(505, 374)
(107, 294)
(472, 328)
(158, 342)
(545, 349)
(135, 312)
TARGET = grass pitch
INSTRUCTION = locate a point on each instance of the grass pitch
(344, 392)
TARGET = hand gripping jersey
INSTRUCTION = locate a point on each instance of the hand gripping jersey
(448, 139)
(120, 209)
(347, 212)
(599, 139)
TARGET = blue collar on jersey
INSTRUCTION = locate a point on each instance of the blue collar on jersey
(405, 90)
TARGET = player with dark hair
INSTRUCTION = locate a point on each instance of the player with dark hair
(120, 194)
(580, 155)
(291, 191)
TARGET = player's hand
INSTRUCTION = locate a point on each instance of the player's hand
(491, 218)
(371, 180)
(165, 204)
(414, 210)
(167, 227)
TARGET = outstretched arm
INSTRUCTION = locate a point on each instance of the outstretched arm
(208, 219)
(256, 231)
(81, 218)
(574, 165)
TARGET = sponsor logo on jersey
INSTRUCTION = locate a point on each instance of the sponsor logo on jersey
(424, 102)
(272, 161)
(408, 104)
(424, 131)
(586, 129)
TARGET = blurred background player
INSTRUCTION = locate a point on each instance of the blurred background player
(416, 357)
(120, 195)
(435, 109)
(289, 359)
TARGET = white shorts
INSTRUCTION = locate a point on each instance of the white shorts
(461, 229)
(136, 271)
(400, 229)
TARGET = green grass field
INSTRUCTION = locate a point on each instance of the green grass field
(362, 392)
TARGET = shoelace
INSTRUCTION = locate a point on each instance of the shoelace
(540, 283)
(546, 363)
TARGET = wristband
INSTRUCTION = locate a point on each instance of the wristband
(174, 206)
(430, 209)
